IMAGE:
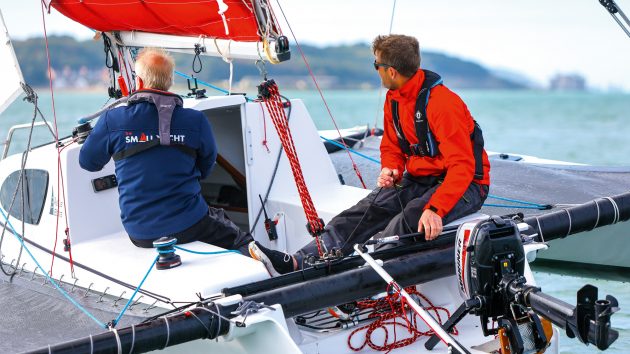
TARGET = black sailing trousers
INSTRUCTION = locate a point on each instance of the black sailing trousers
(214, 228)
(389, 211)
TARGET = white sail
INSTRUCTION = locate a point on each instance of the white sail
(10, 88)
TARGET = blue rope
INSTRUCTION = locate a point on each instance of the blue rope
(115, 322)
(52, 281)
(209, 85)
(539, 206)
(206, 253)
(151, 268)
(349, 149)
(530, 204)
(514, 206)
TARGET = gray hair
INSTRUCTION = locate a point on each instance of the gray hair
(155, 67)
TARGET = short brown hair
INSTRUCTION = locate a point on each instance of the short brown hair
(400, 51)
(155, 67)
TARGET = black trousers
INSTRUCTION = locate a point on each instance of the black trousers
(389, 211)
(214, 228)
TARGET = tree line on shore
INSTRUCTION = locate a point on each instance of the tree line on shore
(340, 66)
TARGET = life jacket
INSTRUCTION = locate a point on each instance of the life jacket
(427, 145)
(165, 104)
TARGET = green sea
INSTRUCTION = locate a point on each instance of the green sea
(585, 127)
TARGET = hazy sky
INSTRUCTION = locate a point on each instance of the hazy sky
(538, 38)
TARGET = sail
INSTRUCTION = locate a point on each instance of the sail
(220, 19)
(10, 69)
(232, 29)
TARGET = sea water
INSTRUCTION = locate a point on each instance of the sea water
(584, 127)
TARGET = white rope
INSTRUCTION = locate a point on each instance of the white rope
(168, 332)
(222, 8)
(133, 338)
(91, 345)
(569, 215)
(597, 220)
(226, 58)
(540, 232)
(614, 204)
(215, 313)
(201, 322)
(218, 322)
(117, 340)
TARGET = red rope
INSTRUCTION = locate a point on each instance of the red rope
(386, 311)
(274, 106)
(59, 149)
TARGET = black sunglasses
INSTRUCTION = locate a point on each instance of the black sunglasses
(376, 65)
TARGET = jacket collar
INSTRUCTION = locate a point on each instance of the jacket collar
(409, 91)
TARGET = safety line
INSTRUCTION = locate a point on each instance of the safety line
(512, 206)
(527, 205)
(115, 322)
(60, 182)
(209, 85)
(319, 90)
(206, 253)
(351, 150)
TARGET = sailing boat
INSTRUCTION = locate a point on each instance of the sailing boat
(68, 218)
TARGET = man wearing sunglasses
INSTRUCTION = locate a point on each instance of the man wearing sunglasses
(434, 168)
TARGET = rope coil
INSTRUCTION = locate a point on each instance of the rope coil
(386, 312)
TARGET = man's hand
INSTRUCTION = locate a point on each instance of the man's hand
(387, 178)
(431, 224)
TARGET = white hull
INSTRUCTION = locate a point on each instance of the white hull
(99, 241)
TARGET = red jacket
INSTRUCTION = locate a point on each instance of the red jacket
(451, 124)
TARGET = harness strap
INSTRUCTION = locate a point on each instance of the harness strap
(428, 146)
(477, 143)
(402, 141)
(165, 103)
(141, 147)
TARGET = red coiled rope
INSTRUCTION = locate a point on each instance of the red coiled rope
(271, 98)
(386, 311)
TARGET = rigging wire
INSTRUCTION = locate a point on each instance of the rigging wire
(152, 295)
(524, 204)
(60, 183)
(380, 88)
(31, 96)
(321, 94)
(115, 322)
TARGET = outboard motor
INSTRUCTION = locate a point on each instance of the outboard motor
(490, 266)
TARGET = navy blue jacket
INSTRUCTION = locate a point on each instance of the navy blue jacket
(159, 188)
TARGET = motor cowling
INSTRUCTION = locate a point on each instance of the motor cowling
(486, 251)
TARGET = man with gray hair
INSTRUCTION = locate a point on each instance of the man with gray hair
(161, 152)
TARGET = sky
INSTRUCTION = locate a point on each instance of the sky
(537, 38)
